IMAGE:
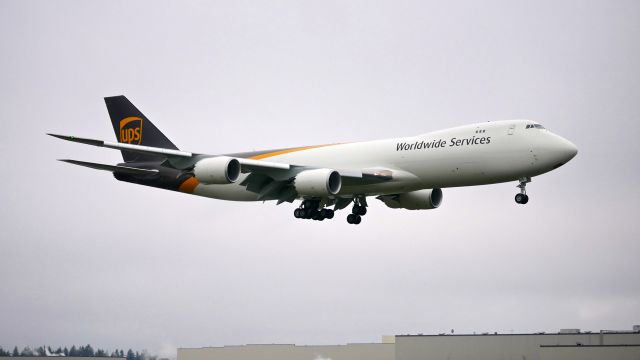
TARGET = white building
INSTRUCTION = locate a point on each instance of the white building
(293, 352)
(567, 344)
(517, 346)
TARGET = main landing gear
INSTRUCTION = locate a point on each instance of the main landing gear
(357, 212)
(310, 209)
(522, 197)
(315, 209)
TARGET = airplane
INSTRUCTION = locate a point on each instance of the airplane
(48, 353)
(404, 173)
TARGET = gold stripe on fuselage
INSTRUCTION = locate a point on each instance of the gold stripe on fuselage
(285, 151)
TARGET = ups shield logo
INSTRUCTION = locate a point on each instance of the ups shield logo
(131, 130)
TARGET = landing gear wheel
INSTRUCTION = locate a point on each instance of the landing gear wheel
(359, 210)
(297, 213)
(351, 218)
(354, 219)
(308, 213)
(326, 213)
(522, 198)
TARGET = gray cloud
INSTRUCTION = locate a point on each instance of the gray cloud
(86, 259)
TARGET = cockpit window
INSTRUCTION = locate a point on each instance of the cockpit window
(534, 126)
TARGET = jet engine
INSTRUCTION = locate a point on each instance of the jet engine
(318, 182)
(217, 170)
(414, 200)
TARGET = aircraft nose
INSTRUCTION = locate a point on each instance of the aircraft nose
(565, 150)
(569, 149)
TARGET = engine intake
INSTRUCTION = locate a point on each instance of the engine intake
(318, 182)
(414, 200)
(217, 170)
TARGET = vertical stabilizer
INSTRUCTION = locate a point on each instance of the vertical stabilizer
(132, 127)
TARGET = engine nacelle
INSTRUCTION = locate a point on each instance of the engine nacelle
(318, 182)
(414, 200)
(217, 170)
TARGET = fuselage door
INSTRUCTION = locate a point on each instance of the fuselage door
(512, 127)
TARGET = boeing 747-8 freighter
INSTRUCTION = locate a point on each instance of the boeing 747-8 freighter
(407, 173)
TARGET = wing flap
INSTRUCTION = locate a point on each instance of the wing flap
(250, 165)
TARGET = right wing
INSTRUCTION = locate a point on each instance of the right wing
(270, 180)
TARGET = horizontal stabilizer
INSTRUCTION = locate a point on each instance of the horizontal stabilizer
(150, 150)
(113, 168)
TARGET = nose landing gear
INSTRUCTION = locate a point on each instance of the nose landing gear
(522, 197)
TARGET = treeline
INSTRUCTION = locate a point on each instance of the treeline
(87, 351)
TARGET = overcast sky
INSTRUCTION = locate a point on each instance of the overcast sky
(87, 259)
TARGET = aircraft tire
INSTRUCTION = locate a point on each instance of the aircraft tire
(326, 213)
(308, 213)
(525, 199)
(520, 198)
(358, 210)
(351, 218)
(357, 219)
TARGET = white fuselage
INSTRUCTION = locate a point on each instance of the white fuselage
(476, 154)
